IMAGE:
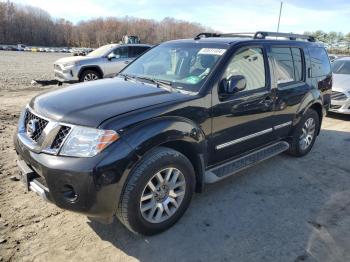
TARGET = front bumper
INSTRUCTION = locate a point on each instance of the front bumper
(66, 75)
(91, 186)
(340, 106)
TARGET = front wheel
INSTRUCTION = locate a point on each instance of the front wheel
(89, 75)
(305, 134)
(158, 192)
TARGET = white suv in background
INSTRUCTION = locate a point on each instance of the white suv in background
(103, 62)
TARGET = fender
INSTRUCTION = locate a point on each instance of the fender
(175, 132)
(311, 99)
(93, 67)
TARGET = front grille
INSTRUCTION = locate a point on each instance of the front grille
(40, 125)
(338, 96)
(61, 135)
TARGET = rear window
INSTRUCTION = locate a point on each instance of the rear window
(288, 64)
(320, 65)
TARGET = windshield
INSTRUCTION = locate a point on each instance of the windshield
(101, 51)
(341, 67)
(185, 66)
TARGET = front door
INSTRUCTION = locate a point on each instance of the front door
(114, 65)
(244, 120)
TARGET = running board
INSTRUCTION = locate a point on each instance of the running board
(220, 172)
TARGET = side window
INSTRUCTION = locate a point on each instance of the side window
(249, 63)
(320, 65)
(121, 52)
(135, 51)
(298, 64)
(283, 63)
(288, 64)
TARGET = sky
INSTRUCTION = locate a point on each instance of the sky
(221, 15)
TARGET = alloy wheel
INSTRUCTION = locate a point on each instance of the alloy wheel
(308, 132)
(162, 195)
(90, 77)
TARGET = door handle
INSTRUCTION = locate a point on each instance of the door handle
(267, 101)
(126, 62)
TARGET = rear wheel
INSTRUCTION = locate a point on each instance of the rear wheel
(158, 192)
(89, 75)
(305, 134)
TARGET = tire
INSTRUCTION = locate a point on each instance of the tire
(298, 147)
(160, 161)
(89, 75)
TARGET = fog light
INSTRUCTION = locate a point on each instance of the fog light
(69, 194)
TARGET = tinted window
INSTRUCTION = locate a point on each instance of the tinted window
(298, 64)
(121, 52)
(288, 64)
(250, 64)
(283, 62)
(137, 50)
(320, 65)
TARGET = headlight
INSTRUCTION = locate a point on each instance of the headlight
(87, 142)
(69, 64)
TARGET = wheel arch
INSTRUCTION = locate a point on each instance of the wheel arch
(176, 133)
(312, 100)
(91, 67)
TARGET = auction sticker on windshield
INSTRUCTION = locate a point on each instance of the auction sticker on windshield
(211, 51)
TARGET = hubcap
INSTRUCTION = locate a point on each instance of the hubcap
(162, 195)
(90, 77)
(308, 132)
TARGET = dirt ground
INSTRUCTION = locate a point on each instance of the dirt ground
(284, 209)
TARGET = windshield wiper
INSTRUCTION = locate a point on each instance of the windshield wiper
(126, 77)
(158, 82)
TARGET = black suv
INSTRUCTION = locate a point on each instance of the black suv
(185, 113)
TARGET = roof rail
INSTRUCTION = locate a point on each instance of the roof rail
(204, 35)
(258, 35)
(290, 36)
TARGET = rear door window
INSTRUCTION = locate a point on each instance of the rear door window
(298, 64)
(320, 65)
(288, 64)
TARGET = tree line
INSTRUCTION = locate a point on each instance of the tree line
(329, 37)
(34, 26)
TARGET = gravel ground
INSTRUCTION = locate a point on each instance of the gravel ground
(18, 69)
(284, 209)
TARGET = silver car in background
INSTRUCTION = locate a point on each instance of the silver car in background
(103, 62)
(340, 99)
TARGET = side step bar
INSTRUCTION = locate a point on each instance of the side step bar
(220, 172)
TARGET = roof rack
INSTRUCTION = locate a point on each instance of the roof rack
(258, 35)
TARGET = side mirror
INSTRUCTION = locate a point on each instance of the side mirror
(232, 85)
(112, 56)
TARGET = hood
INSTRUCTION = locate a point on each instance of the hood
(73, 59)
(341, 83)
(89, 104)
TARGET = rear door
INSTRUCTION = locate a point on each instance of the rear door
(290, 84)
